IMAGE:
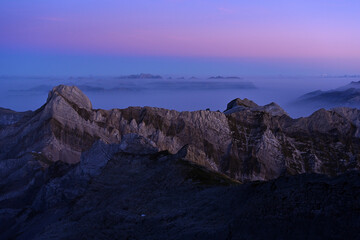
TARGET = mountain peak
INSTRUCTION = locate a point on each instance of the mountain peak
(71, 94)
(241, 102)
(244, 104)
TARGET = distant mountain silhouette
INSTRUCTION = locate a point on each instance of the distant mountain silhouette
(141, 76)
(224, 77)
(345, 96)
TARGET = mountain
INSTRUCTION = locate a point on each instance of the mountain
(238, 105)
(247, 142)
(68, 171)
(345, 96)
(141, 76)
(353, 84)
(223, 77)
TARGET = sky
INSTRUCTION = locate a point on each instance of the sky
(111, 37)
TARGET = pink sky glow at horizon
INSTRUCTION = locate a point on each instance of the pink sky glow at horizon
(260, 29)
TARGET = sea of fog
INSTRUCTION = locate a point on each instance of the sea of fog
(179, 93)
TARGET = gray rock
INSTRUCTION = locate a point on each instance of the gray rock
(239, 102)
(162, 197)
(134, 143)
(238, 105)
(72, 94)
(70, 172)
(247, 142)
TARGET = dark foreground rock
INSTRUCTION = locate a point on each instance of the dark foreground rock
(8, 117)
(113, 194)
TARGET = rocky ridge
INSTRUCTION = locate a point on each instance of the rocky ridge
(247, 142)
(72, 172)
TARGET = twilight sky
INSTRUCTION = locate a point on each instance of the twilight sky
(179, 37)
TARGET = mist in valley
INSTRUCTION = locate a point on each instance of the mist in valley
(181, 93)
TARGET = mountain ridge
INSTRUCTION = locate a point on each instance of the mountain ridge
(68, 171)
(245, 143)
(344, 96)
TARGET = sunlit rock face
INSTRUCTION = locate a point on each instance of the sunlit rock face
(71, 94)
(247, 142)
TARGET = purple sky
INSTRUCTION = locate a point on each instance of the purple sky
(294, 36)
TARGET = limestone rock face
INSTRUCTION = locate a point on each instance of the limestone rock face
(241, 102)
(134, 143)
(274, 109)
(352, 115)
(72, 94)
(247, 142)
(238, 105)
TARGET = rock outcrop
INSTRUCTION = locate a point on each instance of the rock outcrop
(245, 103)
(238, 105)
(247, 142)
